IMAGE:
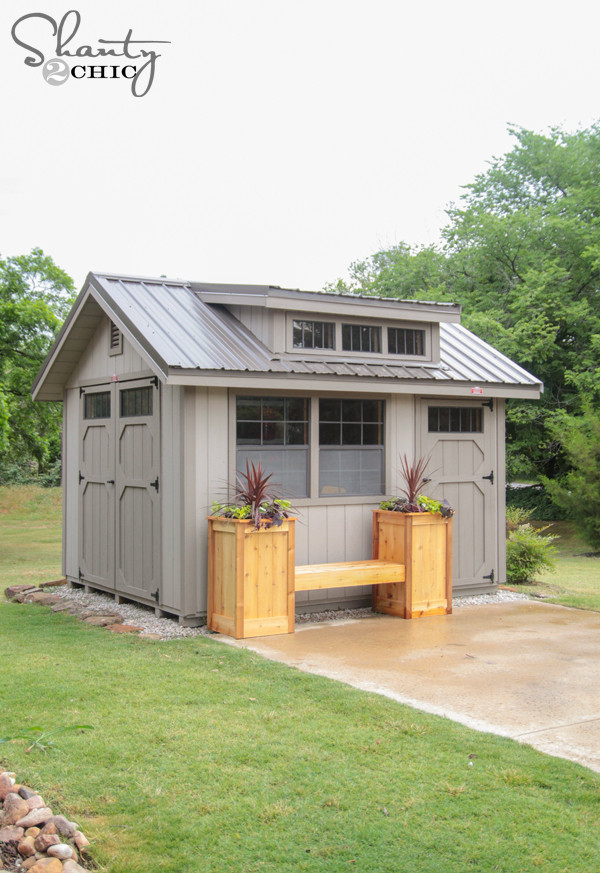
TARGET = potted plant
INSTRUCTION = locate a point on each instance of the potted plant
(416, 531)
(251, 561)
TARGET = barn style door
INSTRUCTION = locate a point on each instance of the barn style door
(97, 486)
(137, 490)
(119, 519)
(460, 438)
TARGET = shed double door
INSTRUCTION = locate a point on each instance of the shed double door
(119, 503)
(460, 439)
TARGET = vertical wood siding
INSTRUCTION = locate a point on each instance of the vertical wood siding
(96, 363)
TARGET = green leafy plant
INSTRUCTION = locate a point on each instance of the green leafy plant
(528, 550)
(255, 498)
(42, 739)
(578, 492)
(414, 476)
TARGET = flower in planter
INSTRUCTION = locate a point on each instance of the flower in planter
(255, 499)
(414, 476)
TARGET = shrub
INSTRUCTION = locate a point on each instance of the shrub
(528, 551)
(536, 499)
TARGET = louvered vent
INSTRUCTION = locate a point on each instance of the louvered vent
(116, 340)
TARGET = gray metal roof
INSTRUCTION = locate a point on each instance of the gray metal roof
(183, 331)
(180, 332)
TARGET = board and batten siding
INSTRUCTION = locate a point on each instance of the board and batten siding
(97, 365)
(205, 424)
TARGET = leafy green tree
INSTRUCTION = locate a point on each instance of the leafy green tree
(521, 254)
(35, 296)
(578, 492)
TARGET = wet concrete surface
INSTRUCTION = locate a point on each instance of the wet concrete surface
(526, 670)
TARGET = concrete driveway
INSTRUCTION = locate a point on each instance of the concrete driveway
(523, 669)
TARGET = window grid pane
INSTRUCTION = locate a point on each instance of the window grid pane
(97, 405)
(406, 341)
(361, 338)
(274, 431)
(455, 419)
(313, 334)
(136, 402)
(351, 455)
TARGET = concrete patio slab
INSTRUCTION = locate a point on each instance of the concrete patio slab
(526, 670)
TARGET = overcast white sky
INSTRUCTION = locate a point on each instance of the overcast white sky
(281, 139)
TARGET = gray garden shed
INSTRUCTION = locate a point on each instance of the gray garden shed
(169, 386)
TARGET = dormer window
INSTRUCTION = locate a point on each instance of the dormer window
(361, 338)
(314, 334)
(406, 341)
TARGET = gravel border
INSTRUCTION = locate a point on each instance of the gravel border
(169, 629)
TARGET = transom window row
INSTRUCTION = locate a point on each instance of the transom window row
(406, 341)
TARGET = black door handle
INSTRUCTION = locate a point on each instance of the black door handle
(110, 481)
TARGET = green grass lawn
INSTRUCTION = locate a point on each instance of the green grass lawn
(208, 758)
(576, 580)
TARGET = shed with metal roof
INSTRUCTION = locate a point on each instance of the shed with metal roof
(169, 386)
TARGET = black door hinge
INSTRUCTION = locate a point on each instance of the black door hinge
(80, 574)
(155, 594)
(81, 392)
(155, 484)
(154, 381)
(81, 477)
(490, 577)
(489, 403)
(490, 477)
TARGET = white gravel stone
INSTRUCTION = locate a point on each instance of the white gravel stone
(169, 629)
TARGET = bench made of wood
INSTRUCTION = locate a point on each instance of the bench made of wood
(318, 576)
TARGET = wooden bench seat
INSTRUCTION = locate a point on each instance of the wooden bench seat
(314, 576)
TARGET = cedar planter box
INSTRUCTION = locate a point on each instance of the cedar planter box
(250, 578)
(422, 541)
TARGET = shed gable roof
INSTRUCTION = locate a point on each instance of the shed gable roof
(177, 331)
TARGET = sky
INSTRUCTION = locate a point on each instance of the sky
(280, 140)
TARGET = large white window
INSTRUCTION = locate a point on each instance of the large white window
(275, 432)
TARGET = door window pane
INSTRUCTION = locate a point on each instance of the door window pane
(97, 405)
(455, 419)
(136, 401)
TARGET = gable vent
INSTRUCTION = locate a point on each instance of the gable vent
(116, 340)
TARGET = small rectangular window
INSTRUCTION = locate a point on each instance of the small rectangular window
(115, 346)
(313, 334)
(361, 338)
(406, 341)
(97, 405)
(136, 402)
(455, 419)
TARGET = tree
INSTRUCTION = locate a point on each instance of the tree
(521, 254)
(579, 490)
(35, 296)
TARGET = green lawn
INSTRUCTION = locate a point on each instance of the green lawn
(576, 580)
(208, 758)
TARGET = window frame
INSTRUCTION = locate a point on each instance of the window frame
(313, 499)
(430, 339)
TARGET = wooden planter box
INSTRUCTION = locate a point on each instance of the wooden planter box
(250, 578)
(422, 541)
